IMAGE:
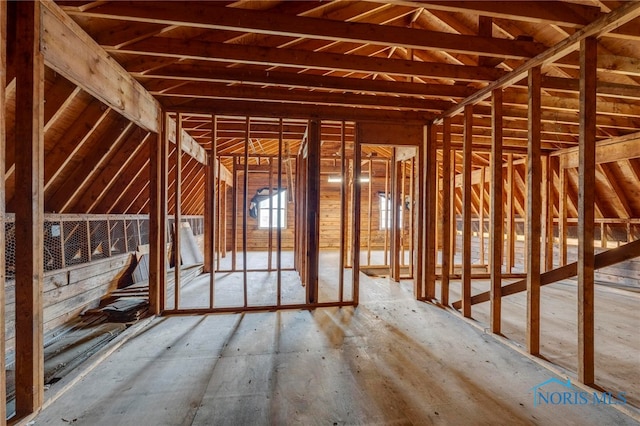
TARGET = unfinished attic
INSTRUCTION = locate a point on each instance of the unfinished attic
(320, 212)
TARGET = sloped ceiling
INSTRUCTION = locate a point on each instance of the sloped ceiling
(406, 61)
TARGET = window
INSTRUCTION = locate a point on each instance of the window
(385, 212)
(263, 211)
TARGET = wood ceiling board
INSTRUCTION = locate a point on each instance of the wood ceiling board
(217, 52)
(104, 183)
(58, 133)
(238, 92)
(277, 109)
(60, 148)
(608, 22)
(211, 16)
(105, 79)
(202, 73)
(565, 14)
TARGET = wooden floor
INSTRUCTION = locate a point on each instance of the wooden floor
(392, 360)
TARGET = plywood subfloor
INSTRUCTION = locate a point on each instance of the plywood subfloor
(617, 330)
(392, 360)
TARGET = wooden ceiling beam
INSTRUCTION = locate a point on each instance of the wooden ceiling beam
(195, 72)
(563, 117)
(625, 91)
(91, 68)
(104, 78)
(607, 151)
(221, 91)
(210, 16)
(606, 23)
(564, 14)
(548, 127)
(246, 54)
(280, 109)
(607, 63)
(572, 103)
(512, 146)
(293, 137)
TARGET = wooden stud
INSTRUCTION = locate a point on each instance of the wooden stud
(220, 220)
(412, 219)
(245, 196)
(279, 229)
(214, 188)
(453, 232)
(481, 216)
(586, 200)
(223, 216)
(533, 213)
(3, 156)
(29, 205)
(234, 216)
(177, 212)
(270, 231)
(552, 201)
(466, 211)
(511, 228)
(369, 210)
(496, 220)
(163, 206)
(313, 209)
(387, 217)
(446, 211)
(355, 217)
(209, 177)
(563, 205)
(544, 209)
(430, 213)
(401, 220)
(395, 218)
(156, 271)
(343, 212)
(419, 218)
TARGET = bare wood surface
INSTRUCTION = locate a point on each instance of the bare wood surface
(446, 210)
(3, 148)
(313, 210)
(104, 79)
(496, 220)
(602, 260)
(356, 190)
(466, 211)
(586, 211)
(263, 359)
(533, 214)
(29, 206)
(177, 211)
(431, 213)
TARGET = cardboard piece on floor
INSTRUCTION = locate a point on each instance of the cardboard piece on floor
(141, 271)
(142, 250)
(189, 250)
